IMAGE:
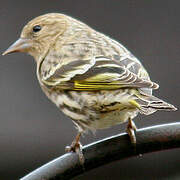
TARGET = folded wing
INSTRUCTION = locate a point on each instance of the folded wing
(97, 73)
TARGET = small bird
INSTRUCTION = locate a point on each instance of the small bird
(92, 78)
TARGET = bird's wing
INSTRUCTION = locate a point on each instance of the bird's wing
(97, 73)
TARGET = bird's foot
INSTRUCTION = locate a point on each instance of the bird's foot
(131, 128)
(77, 148)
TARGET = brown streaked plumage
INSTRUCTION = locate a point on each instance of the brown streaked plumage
(92, 78)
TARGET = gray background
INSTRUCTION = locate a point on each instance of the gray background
(33, 131)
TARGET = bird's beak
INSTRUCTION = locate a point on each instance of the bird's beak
(21, 45)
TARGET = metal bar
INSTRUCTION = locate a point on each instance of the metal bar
(151, 139)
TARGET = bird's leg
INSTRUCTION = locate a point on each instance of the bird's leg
(131, 128)
(76, 147)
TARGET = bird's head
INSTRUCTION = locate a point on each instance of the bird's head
(39, 34)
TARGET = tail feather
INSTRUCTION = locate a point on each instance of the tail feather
(150, 104)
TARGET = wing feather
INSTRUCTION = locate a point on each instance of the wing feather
(99, 73)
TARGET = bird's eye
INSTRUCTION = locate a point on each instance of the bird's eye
(36, 28)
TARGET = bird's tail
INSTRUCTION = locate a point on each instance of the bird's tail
(150, 104)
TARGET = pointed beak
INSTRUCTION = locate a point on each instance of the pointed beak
(21, 45)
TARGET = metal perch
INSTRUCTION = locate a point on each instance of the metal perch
(110, 149)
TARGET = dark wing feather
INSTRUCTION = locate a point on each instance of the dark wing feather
(102, 73)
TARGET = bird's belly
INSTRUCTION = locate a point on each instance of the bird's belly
(94, 110)
(107, 120)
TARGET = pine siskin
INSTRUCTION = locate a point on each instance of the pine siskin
(92, 78)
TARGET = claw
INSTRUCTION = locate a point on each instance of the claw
(77, 148)
(131, 128)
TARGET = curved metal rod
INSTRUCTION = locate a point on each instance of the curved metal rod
(113, 148)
